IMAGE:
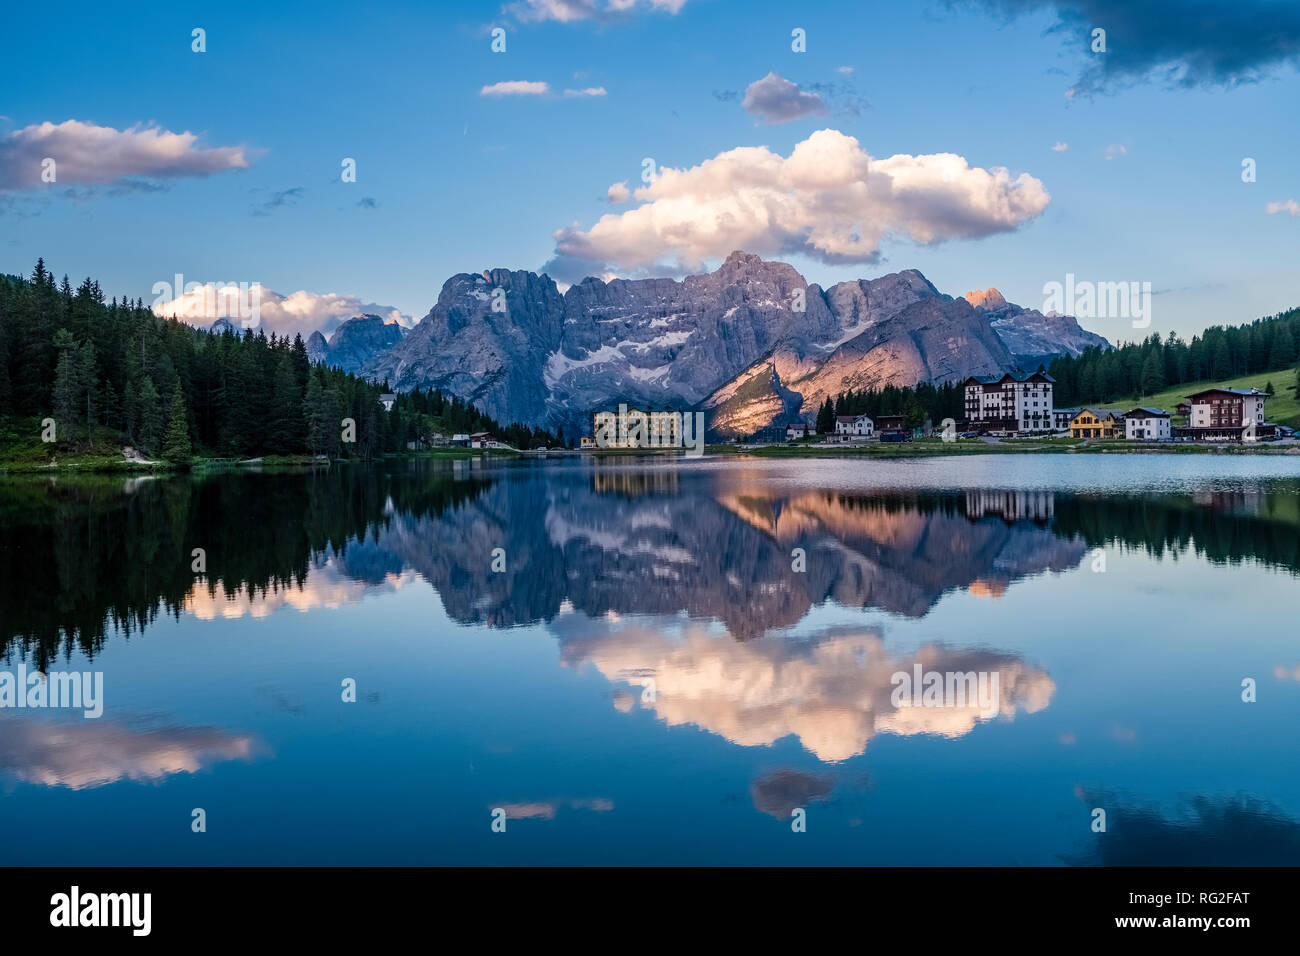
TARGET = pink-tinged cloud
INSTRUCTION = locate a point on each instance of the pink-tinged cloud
(298, 313)
(571, 11)
(88, 754)
(84, 154)
(828, 200)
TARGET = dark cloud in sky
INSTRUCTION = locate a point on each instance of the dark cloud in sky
(284, 197)
(1182, 43)
(774, 99)
(842, 97)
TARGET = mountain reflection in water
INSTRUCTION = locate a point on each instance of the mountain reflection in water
(733, 626)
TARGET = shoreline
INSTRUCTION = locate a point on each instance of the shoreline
(103, 464)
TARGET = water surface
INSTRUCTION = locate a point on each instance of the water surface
(622, 657)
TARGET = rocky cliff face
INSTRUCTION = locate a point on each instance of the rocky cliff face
(1031, 337)
(895, 330)
(355, 342)
(751, 343)
(488, 340)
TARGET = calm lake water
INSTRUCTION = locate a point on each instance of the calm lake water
(649, 679)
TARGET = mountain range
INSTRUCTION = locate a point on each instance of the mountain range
(751, 344)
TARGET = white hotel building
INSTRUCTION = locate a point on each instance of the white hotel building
(1012, 403)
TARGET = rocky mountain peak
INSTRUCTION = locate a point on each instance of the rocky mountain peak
(355, 342)
(989, 299)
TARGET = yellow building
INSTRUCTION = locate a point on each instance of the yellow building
(1097, 423)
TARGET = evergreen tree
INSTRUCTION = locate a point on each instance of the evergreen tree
(1221, 366)
(67, 387)
(287, 408)
(110, 410)
(176, 445)
(826, 417)
(151, 419)
(87, 384)
(1283, 352)
(313, 409)
(1153, 374)
(6, 390)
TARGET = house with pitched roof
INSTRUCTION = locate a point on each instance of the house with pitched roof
(855, 426)
(1097, 423)
(1148, 424)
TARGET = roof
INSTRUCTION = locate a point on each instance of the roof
(1144, 412)
(1068, 411)
(849, 418)
(481, 435)
(1244, 392)
(1009, 377)
(1099, 413)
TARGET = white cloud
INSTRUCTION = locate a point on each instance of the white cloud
(589, 91)
(569, 11)
(1291, 207)
(834, 692)
(846, 70)
(774, 99)
(829, 200)
(618, 193)
(1116, 150)
(300, 312)
(1060, 147)
(85, 154)
(516, 88)
(88, 754)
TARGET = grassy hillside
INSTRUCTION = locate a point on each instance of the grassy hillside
(1281, 409)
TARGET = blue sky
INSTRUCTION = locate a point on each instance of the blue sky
(460, 181)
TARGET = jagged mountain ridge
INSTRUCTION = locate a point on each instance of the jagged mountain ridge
(751, 343)
(355, 342)
(1032, 337)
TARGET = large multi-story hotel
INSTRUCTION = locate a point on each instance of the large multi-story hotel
(1231, 414)
(1011, 403)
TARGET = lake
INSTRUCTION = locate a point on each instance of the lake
(659, 661)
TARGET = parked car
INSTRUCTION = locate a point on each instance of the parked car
(895, 436)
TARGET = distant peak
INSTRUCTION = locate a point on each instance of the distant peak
(741, 257)
(989, 298)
